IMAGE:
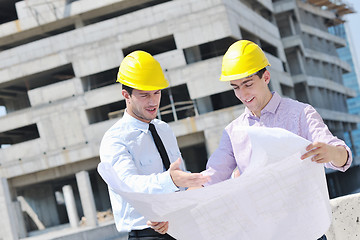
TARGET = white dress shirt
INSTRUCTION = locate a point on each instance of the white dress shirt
(129, 147)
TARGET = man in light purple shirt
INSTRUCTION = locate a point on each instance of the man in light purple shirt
(244, 65)
(296, 117)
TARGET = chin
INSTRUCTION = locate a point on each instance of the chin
(151, 117)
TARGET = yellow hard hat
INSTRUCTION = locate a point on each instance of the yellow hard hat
(140, 70)
(242, 59)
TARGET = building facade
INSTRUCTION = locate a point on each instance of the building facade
(351, 80)
(58, 65)
(316, 68)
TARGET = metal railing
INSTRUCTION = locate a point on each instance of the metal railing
(173, 108)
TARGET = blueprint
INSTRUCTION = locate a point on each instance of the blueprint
(279, 196)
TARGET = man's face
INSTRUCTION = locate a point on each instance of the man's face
(143, 105)
(253, 91)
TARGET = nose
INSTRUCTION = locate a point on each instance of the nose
(153, 100)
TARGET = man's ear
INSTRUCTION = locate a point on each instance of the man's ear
(266, 77)
(125, 94)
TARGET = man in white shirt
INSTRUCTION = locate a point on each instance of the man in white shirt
(132, 146)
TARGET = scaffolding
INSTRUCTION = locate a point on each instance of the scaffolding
(340, 7)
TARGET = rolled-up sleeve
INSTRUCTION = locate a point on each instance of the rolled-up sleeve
(318, 132)
(222, 161)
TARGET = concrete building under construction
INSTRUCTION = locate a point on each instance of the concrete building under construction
(58, 65)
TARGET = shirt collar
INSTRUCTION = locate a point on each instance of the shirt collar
(271, 107)
(136, 123)
(273, 104)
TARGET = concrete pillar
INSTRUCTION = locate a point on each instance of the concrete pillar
(21, 229)
(87, 198)
(292, 25)
(8, 218)
(300, 61)
(212, 139)
(70, 206)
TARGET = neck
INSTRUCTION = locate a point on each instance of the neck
(134, 115)
(256, 114)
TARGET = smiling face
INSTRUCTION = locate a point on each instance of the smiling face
(142, 105)
(253, 92)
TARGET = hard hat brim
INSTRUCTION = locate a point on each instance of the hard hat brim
(228, 78)
(144, 87)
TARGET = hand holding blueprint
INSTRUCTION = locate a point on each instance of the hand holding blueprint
(279, 196)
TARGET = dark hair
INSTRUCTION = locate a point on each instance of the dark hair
(127, 88)
(261, 72)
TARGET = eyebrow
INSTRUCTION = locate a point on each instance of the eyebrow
(244, 82)
(147, 93)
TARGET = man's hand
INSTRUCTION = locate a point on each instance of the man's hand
(323, 153)
(185, 179)
(160, 227)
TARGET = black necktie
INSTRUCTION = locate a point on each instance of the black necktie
(160, 146)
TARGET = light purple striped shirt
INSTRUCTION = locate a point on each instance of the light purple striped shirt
(296, 117)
